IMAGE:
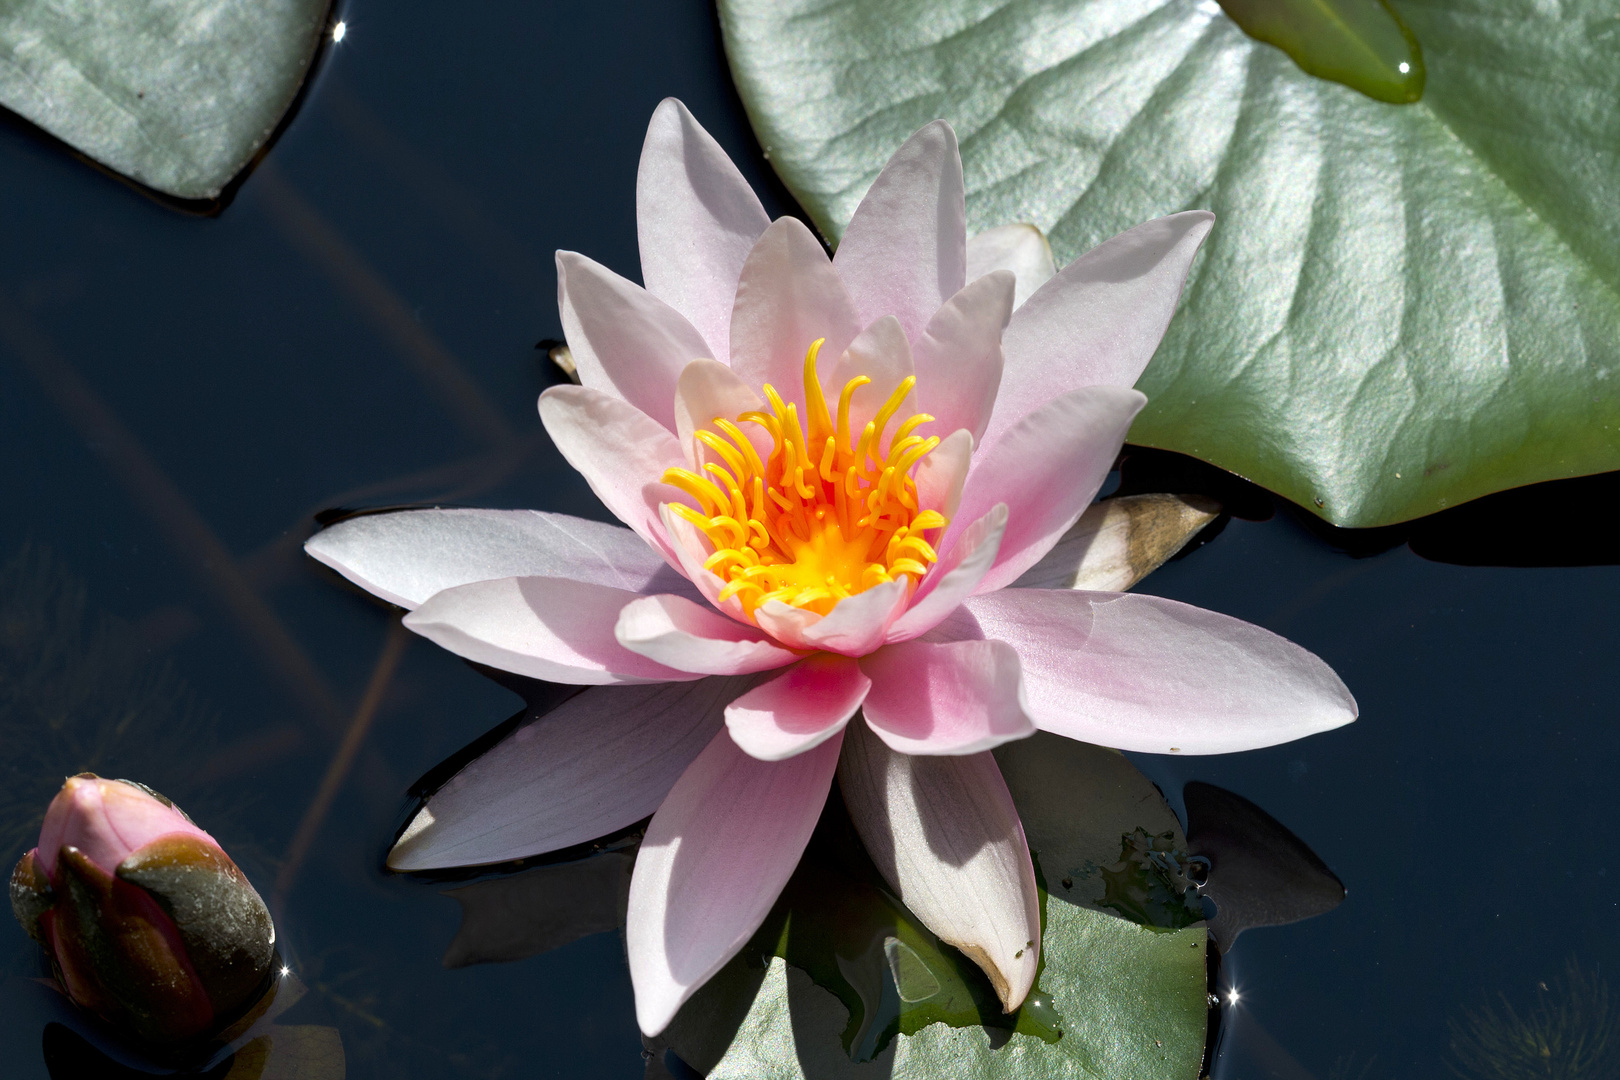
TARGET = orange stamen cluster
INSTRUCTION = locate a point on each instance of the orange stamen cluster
(825, 516)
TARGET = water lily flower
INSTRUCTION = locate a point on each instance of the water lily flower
(148, 923)
(832, 470)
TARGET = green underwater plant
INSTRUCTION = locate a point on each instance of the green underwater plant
(1570, 1032)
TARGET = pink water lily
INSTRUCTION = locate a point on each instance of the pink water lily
(834, 472)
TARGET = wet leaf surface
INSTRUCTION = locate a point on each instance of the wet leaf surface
(175, 94)
(1400, 309)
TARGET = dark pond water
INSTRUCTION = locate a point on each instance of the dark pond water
(179, 396)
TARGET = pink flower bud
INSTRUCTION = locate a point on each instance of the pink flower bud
(148, 923)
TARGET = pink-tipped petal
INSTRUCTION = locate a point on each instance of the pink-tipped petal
(905, 250)
(697, 219)
(1047, 468)
(107, 820)
(854, 627)
(799, 709)
(715, 859)
(708, 390)
(954, 577)
(945, 834)
(958, 356)
(1143, 673)
(405, 556)
(602, 760)
(677, 633)
(691, 549)
(622, 453)
(963, 697)
(881, 353)
(1099, 321)
(942, 474)
(546, 628)
(788, 296)
(626, 342)
(1021, 249)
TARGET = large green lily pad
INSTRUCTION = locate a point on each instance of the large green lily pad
(176, 94)
(1401, 307)
(842, 982)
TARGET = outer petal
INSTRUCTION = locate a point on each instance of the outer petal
(626, 342)
(957, 698)
(621, 452)
(954, 577)
(1099, 321)
(855, 626)
(677, 633)
(708, 390)
(905, 250)
(600, 761)
(697, 219)
(1144, 673)
(542, 627)
(881, 353)
(406, 556)
(799, 709)
(941, 475)
(716, 856)
(945, 834)
(788, 296)
(958, 356)
(1047, 469)
(1118, 542)
(1021, 249)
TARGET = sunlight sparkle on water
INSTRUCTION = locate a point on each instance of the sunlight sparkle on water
(340, 30)
(1405, 67)
(1232, 996)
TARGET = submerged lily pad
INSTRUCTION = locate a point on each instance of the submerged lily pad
(843, 982)
(1399, 309)
(176, 94)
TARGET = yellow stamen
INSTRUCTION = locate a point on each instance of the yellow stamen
(822, 518)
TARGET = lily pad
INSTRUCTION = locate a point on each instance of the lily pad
(175, 94)
(842, 982)
(1401, 307)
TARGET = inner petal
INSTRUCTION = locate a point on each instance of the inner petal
(830, 513)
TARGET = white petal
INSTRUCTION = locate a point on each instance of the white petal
(697, 219)
(801, 708)
(954, 577)
(622, 453)
(406, 556)
(693, 637)
(715, 859)
(1144, 673)
(709, 390)
(1047, 468)
(1099, 321)
(881, 353)
(626, 342)
(958, 356)
(854, 627)
(545, 628)
(941, 475)
(945, 834)
(1021, 249)
(959, 697)
(788, 296)
(905, 250)
(599, 762)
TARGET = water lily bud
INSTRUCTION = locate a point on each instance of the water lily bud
(148, 923)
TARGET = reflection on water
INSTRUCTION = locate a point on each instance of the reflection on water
(1569, 1031)
(79, 692)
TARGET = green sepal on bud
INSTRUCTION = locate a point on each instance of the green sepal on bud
(148, 923)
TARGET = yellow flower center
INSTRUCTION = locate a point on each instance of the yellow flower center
(825, 516)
